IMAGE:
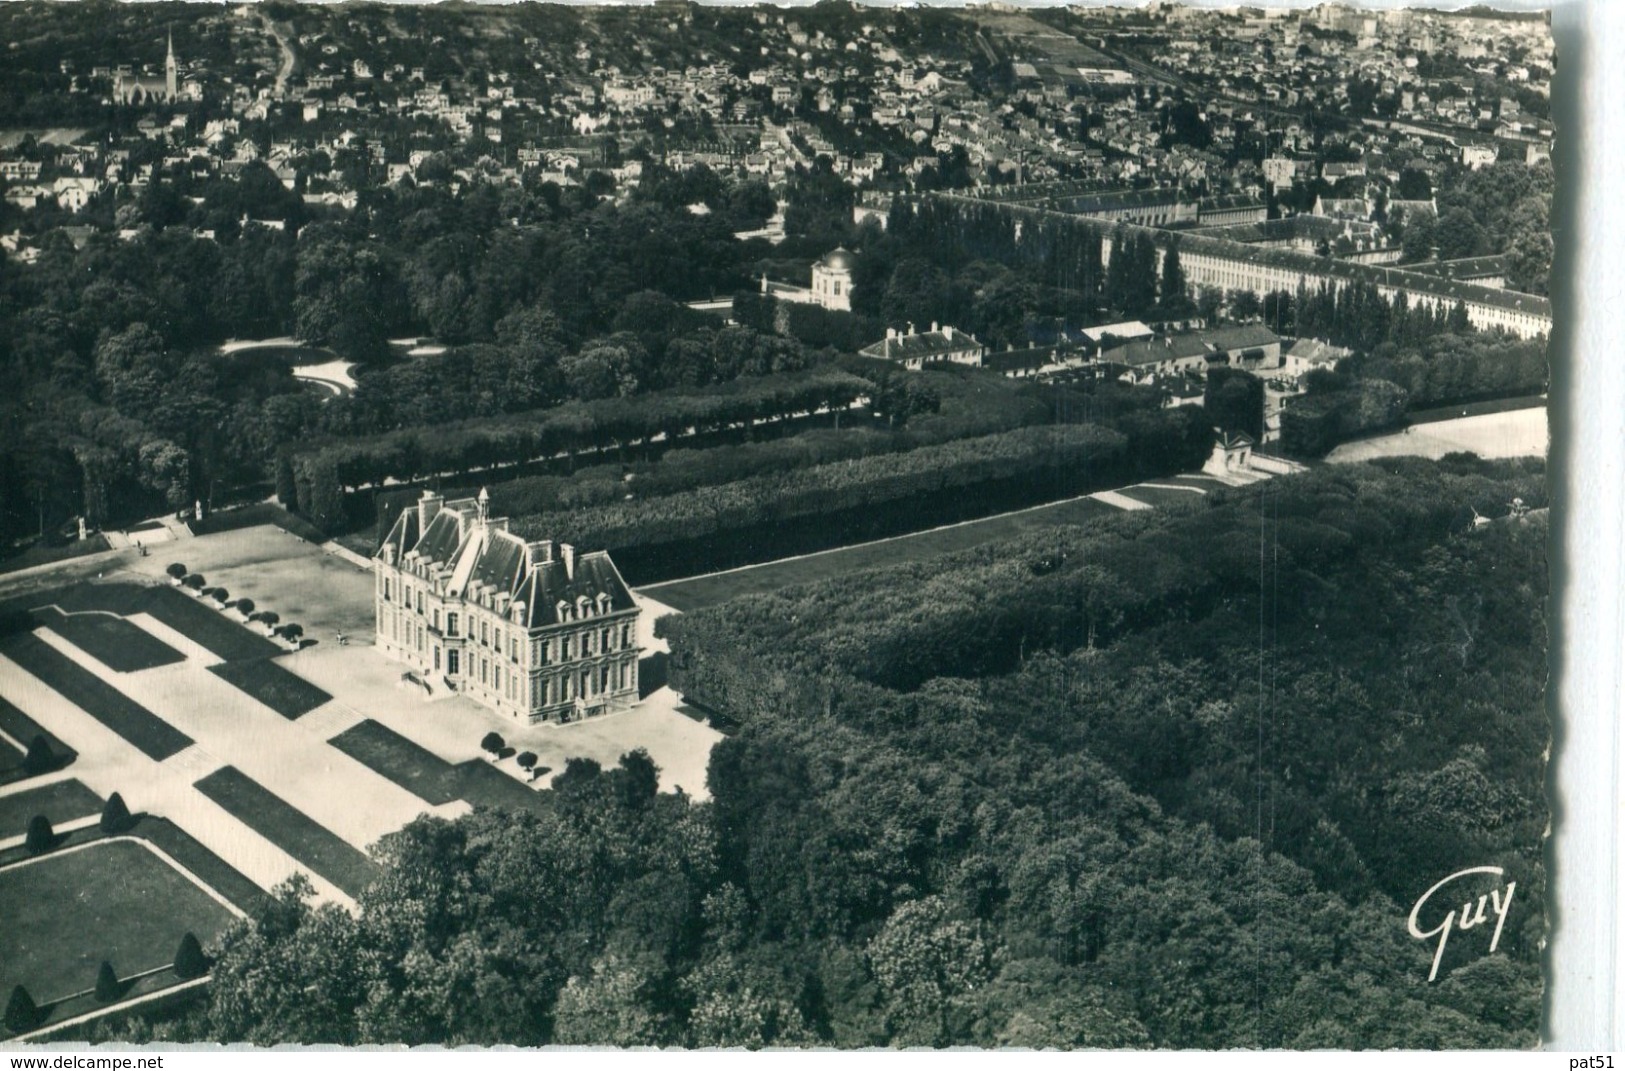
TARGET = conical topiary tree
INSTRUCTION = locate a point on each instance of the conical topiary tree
(21, 1012)
(115, 815)
(40, 758)
(40, 836)
(190, 961)
(107, 987)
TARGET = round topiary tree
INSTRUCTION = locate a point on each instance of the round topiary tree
(190, 962)
(493, 743)
(41, 837)
(194, 582)
(176, 571)
(269, 619)
(115, 815)
(40, 758)
(527, 762)
(220, 595)
(291, 632)
(246, 607)
(107, 987)
(21, 1012)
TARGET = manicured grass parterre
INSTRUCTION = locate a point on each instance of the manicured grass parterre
(155, 738)
(43, 555)
(115, 900)
(220, 633)
(287, 694)
(1164, 498)
(429, 777)
(21, 728)
(289, 829)
(700, 592)
(59, 801)
(114, 642)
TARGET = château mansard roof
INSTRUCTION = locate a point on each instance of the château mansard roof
(475, 558)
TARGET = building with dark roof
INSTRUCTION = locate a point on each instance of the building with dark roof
(532, 630)
(916, 349)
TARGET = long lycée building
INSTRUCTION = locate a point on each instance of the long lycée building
(1212, 261)
(532, 630)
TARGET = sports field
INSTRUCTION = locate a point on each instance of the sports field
(114, 900)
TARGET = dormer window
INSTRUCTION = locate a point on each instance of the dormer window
(582, 606)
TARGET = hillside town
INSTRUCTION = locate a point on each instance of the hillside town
(1351, 115)
(746, 527)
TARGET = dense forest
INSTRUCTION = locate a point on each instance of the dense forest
(1170, 779)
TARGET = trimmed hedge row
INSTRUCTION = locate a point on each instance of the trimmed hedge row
(316, 478)
(824, 490)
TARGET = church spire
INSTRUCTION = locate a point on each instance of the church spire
(171, 70)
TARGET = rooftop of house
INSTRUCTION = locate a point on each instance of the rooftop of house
(479, 558)
(922, 345)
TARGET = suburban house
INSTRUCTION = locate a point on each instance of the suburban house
(916, 349)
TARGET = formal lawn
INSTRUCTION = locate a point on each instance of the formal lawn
(110, 640)
(286, 693)
(39, 554)
(290, 829)
(153, 736)
(1163, 497)
(21, 728)
(59, 801)
(429, 777)
(67, 911)
(700, 592)
(221, 633)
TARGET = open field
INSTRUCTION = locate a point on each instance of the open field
(285, 693)
(699, 592)
(112, 900)
(1519, 433)
(58, 801)
(110, 640)
(428, 776)
(143, 729)
(289, 829)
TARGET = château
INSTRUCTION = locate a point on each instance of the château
(531, 629)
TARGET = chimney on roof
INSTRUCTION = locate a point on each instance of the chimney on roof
(567, 554)
(934, 328)
(948, 333)
(428, 508)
